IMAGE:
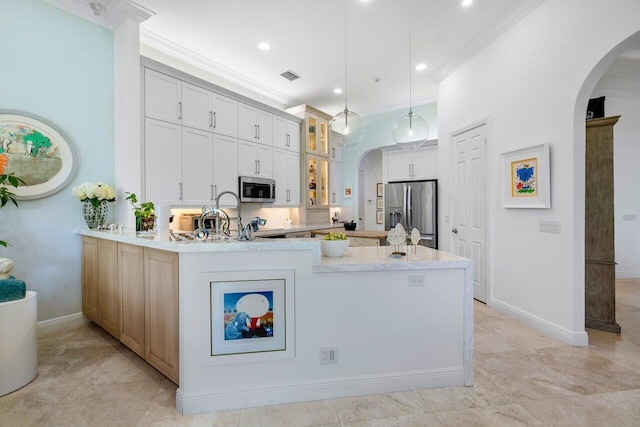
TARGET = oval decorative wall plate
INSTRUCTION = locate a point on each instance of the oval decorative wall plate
(36, 152)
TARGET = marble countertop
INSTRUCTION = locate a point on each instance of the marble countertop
(376, 258)
(367, 258)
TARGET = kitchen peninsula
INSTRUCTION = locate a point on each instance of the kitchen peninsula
(241, 324)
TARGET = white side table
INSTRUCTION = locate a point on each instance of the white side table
(19, 343)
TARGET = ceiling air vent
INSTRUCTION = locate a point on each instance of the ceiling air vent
(290, 75)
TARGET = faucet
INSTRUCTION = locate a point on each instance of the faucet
(237, 220)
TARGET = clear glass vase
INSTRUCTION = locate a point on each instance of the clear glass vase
(95, 216)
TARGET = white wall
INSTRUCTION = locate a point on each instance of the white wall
(371, 165)
(531, 83)
(623, 98)
(59, 67)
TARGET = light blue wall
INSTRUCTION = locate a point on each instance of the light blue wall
(379, 133)
(59, 67)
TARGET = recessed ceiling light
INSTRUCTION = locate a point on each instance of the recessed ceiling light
(421, 66)
(466, 3)
(337, 91)
(264, 46)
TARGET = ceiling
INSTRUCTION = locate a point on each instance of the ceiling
(308, 38)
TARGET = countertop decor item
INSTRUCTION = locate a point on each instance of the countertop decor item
(37, 152)
(334, 245)
(397, 236)
(94, 197)
(350, 226)
(145, 215)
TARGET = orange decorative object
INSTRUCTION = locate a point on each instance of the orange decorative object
(4, 161)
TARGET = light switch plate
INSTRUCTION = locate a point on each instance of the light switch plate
(630, 217)
(550, 227)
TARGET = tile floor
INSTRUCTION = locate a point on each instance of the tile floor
(86, 378)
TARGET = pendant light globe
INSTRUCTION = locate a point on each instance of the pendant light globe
(346, 128)
(410, 131)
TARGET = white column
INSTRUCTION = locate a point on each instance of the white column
(126, 18)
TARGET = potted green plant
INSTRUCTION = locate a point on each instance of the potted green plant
(6, 195)
(145, 214)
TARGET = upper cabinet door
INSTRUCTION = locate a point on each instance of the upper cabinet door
(163, 162)
(280, 139)
(247, 126)
(197, 108)
(225, 168)
(399, 165)
(293, 169)
(424, 163)
(225, 115)
(293, 136)
(264, 121)
(281, 176)
(335, 153)
(197, 167)
(162, 97)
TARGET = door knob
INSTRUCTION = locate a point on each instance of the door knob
(455, 231)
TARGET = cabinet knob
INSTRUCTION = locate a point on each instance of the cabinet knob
(454, 231)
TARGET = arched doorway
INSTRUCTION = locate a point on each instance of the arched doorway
(369, 173)
(585, 93)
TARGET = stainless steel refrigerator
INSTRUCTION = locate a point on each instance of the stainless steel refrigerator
(414, 204)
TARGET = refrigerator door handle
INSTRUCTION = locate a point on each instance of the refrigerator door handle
(409, 210)
(404, 203)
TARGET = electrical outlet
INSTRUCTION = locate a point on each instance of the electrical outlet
(630, 217)
(550, 227)
(416, 280)
(328, 355)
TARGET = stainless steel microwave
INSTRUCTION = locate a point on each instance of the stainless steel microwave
(260, 190)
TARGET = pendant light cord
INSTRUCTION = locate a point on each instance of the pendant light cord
(410, 63)
(345, 57)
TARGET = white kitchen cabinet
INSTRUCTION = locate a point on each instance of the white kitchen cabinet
(197, 107)
(162, 97)
(162, 162)
(335, 183)
(225, 115)
(286, 134)
(255, 159)
(255, 124)
(335, 152)
(286, 172)
(411, 165)
(225, 168)
(197, 167)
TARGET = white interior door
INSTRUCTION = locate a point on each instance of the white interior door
(469, 229)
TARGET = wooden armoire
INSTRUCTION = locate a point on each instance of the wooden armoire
(600, 266)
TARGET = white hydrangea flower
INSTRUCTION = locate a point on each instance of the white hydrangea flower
(98, 191)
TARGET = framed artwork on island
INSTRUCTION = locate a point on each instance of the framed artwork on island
(379, 203)
(379, 189)
(251, 316)
(379, 217)
(526, 179)
(36, 152)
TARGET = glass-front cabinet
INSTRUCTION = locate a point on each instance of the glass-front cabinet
(317, 171)
(317, 135)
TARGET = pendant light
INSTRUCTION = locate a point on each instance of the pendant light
(346, 127)
(411, 130)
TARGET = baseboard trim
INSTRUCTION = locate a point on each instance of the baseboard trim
(578, 339)
(62, 322)
(222, 400)
(627, 274)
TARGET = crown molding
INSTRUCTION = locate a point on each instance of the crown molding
(194, 59)
(415, 102)
(111, 12)
(502, 24)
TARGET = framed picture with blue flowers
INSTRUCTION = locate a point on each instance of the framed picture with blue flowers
(526, 180)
